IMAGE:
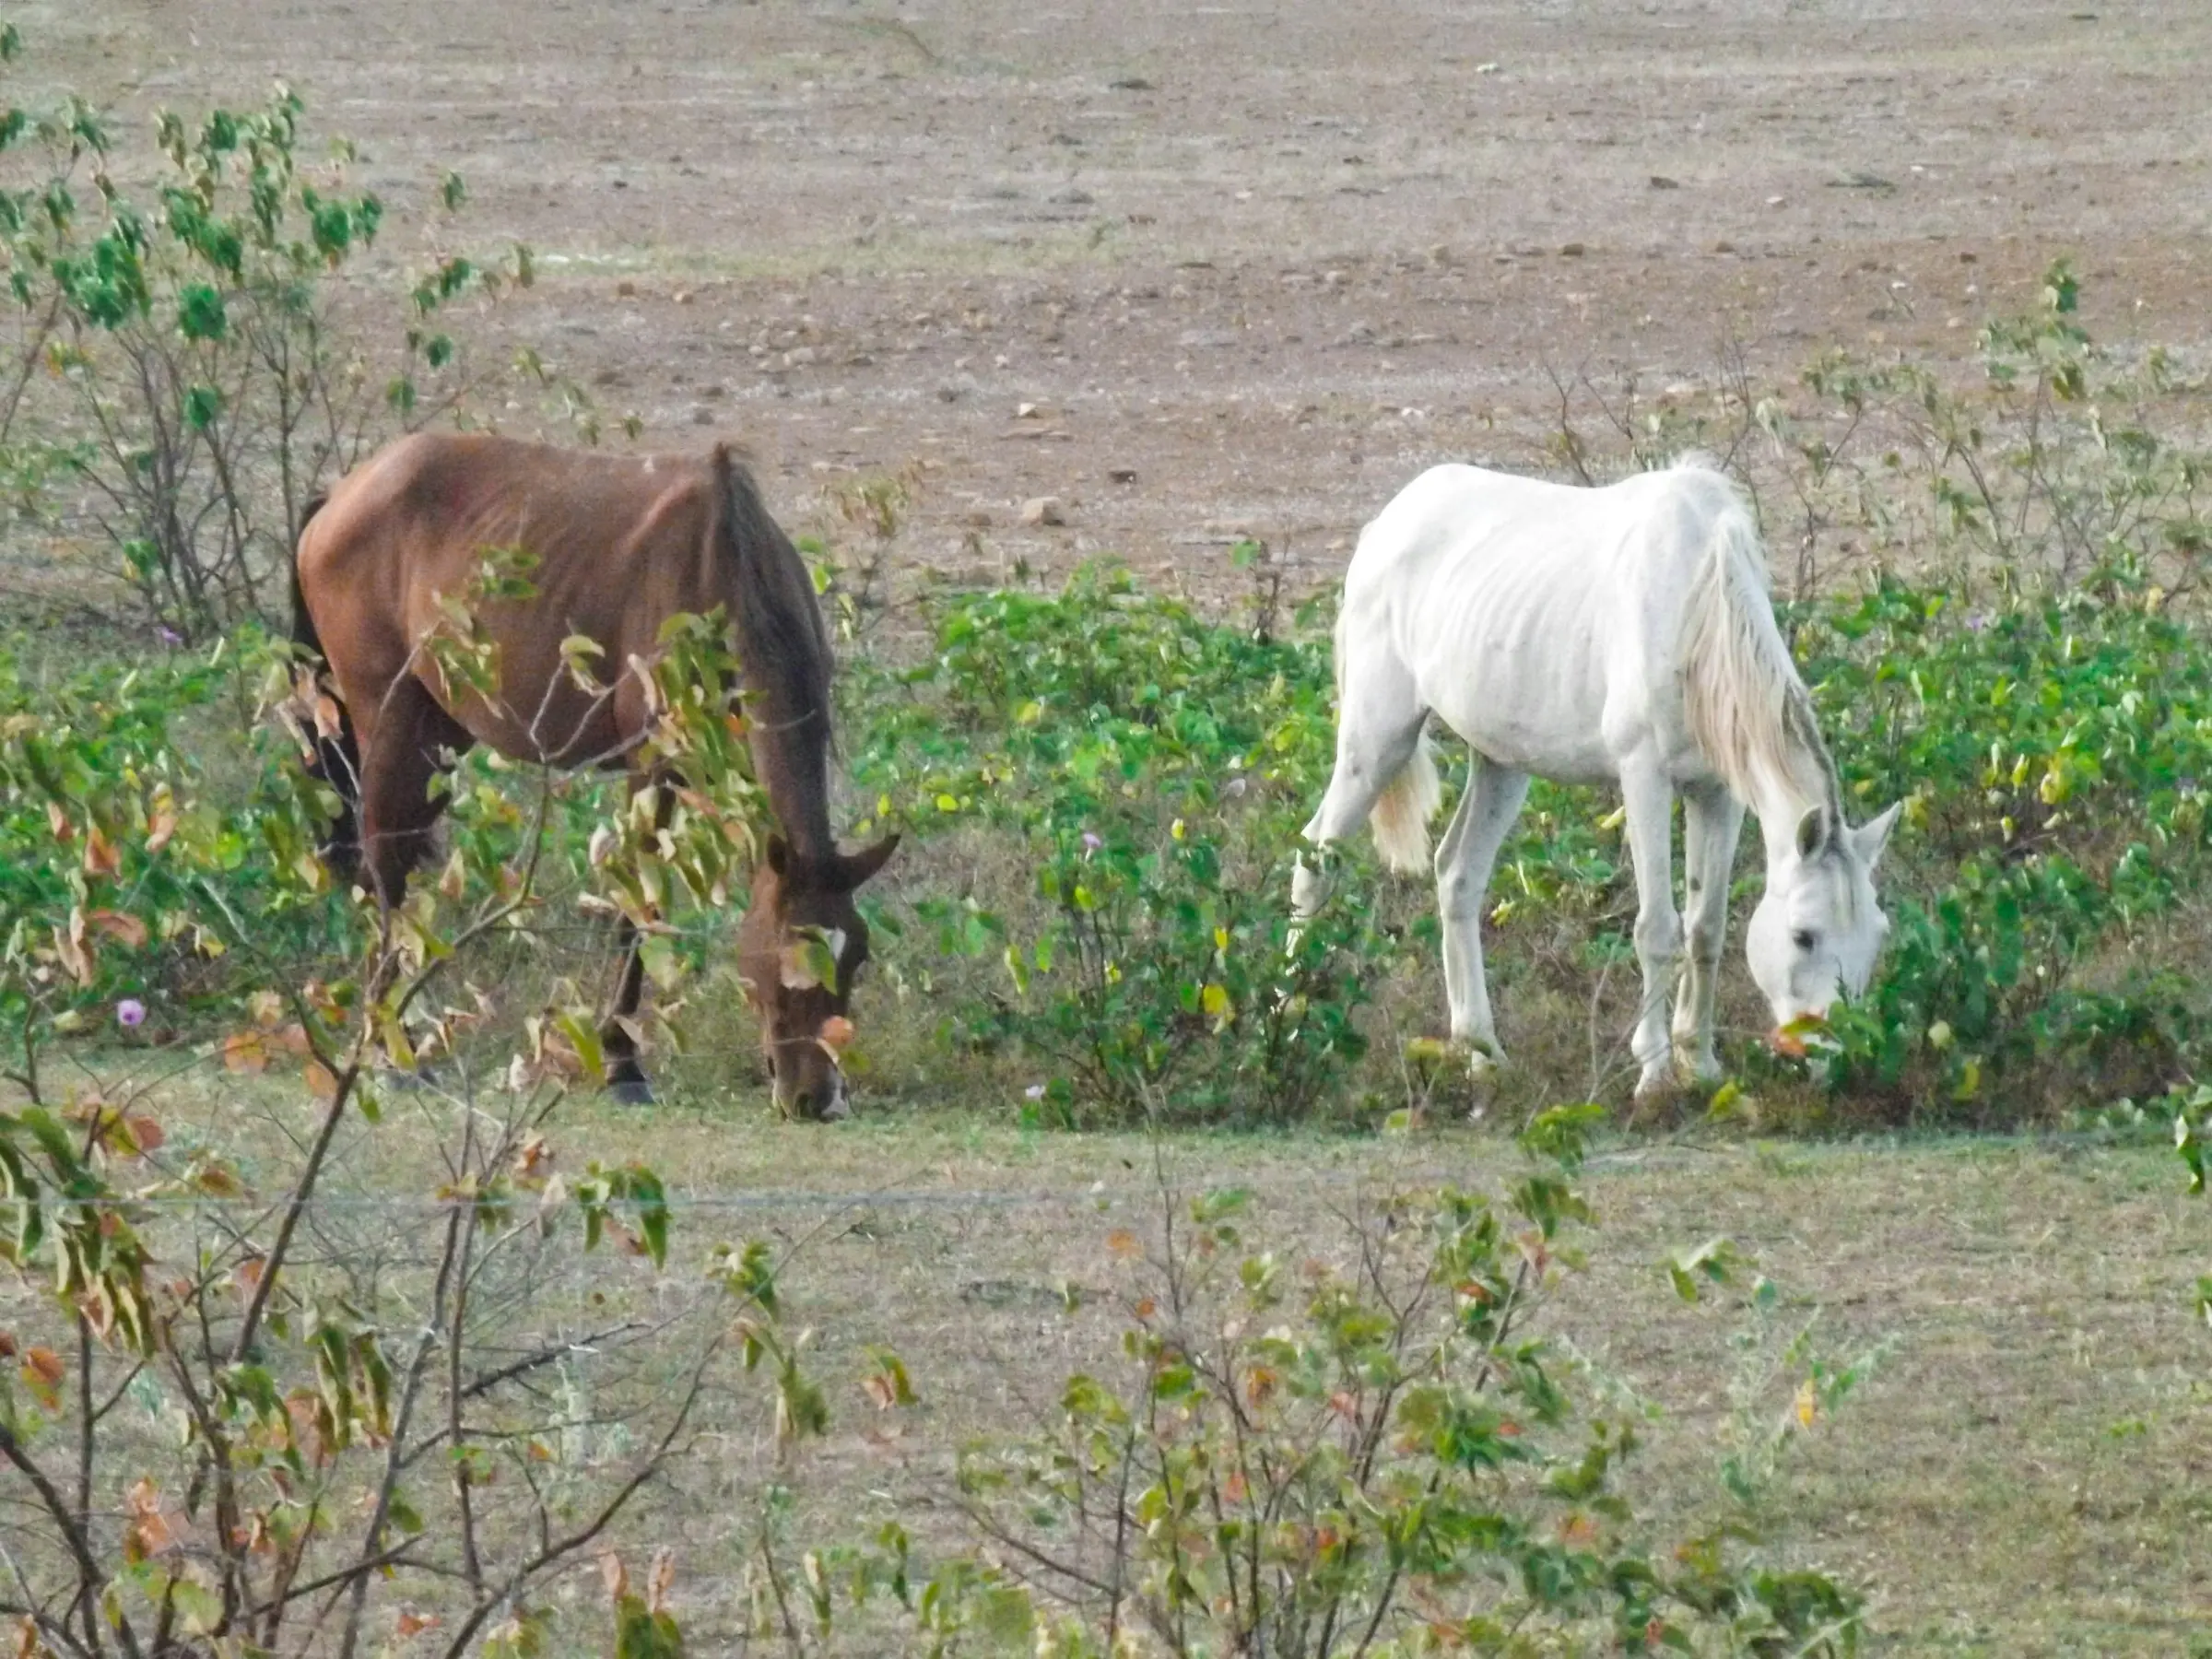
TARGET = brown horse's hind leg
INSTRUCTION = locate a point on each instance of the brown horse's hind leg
(625, 1073)
(401, 742)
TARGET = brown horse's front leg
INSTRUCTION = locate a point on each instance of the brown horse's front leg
(625, 1077)
(400, 754)
(402, 745)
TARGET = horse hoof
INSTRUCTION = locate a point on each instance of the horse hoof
(1701, 1071)
(631, 1091)
(1484, 1067)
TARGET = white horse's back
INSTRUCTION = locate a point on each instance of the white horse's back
(1540, 621)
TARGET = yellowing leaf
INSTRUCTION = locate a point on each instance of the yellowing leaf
(1808, 1403)
(245, 1052)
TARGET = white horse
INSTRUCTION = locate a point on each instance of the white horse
(1584, 634)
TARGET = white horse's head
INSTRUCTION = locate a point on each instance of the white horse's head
(1819, 927)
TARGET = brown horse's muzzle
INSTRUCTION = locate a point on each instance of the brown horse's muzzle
(809, 1084)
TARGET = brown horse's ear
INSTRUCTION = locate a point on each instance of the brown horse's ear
(778, 854)
(857, 867)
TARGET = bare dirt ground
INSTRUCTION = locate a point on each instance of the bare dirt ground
(1257, 263)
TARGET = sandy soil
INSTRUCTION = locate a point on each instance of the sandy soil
(1253, 265)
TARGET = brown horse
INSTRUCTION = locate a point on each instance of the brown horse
(618, 546)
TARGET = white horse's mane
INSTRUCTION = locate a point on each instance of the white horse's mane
(1747, 709)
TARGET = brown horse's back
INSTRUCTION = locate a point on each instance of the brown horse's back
(616, 545)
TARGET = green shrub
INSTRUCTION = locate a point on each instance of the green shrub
(1151, 770)
(119, 863)
(2054, 751)
(180, 361)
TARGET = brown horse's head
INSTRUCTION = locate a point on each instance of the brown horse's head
(798, 953)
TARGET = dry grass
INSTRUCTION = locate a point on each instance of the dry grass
(2023, 1475)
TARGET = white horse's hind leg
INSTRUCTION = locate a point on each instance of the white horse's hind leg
(1378, 727)
(1713, 820)
(1463, 863)
(1650, 800)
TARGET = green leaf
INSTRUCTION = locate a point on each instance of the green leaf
(641, 1633)
(201, 314)
(1562, 1133)
(590, 1052)
(651, 1199)
(203, 405)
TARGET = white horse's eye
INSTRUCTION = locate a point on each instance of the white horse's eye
(1802, 938)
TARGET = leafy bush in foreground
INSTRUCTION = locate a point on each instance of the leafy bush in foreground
(332, 1357)
(1383, 1453)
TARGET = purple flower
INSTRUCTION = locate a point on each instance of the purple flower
(130, 1013)
(1035, 1091)
(1976, 621)
(168, 637)
(1093, 843)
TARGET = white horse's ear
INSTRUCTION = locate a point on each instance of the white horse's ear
(1868, 839)
(1812, 831)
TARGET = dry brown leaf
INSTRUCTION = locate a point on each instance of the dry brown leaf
(130, 930)
(101, 856)
(75, 953)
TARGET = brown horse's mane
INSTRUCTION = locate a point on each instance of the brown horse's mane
(783, 649)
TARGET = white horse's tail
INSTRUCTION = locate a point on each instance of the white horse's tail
(1747, 708)
(1400, 816)
(1409, 801)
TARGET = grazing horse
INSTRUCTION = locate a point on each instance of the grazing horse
(617, 546)
(1584, 634)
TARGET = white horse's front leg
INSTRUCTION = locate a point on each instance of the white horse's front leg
(1463, 863)
(1650, 800)
(1713, 820)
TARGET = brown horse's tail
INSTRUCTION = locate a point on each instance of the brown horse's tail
(337, 759)
(782, 642)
